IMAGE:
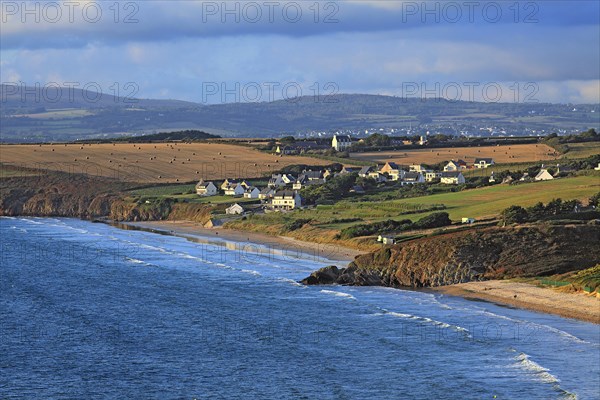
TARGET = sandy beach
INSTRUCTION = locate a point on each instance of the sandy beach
(280, 244)
(523, 295)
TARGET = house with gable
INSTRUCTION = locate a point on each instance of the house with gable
(459, 165)
(206, 189)
(452, 178)
(341, 142)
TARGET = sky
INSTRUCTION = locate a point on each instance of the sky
(248, 51)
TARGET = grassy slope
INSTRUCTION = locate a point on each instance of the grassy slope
(477, 203)
(490, 201)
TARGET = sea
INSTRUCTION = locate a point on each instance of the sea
(94, 311)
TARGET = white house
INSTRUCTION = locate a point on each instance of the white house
(372, 172)
(455, 166)
(251, 193)
(543, 175)
(483, 162)
(598, 167)
(432, 176)
(341, 143)
(266, 193)
(235, 209)
(386, 240)
(411, 178)
(468, 220)
(452, 178)
(281, 180)
(206, 189)
(235, 190)
(417, 168)
(393, 170)
(232, 182)
(286, 200)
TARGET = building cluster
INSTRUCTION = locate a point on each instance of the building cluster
(338, 143)
(281, 192)
(390, 171)
(545, 175)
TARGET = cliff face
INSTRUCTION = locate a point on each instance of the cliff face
(490, 253)
(80, 196)
(58, 194)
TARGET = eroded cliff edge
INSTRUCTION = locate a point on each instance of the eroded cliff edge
(57, 194)
(482, 254)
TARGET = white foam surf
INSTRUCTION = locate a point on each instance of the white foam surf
(338, 294)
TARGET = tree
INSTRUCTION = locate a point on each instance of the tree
(514, 215)
(288, 139)
(435, 220)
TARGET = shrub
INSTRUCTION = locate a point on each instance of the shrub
(296, 224)
(435, 220)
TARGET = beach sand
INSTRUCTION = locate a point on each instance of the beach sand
(569, 305)
(281, 244)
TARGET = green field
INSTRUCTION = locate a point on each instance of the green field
(582, 150)
(490, 201)
(476, 203)
(64, 113)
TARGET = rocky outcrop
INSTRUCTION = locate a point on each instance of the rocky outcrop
(59, 194)
(478, 254)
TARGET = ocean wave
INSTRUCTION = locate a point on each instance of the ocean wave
(426, 320)
(251, 272)
(290, 281)
(136, 261)
(540, 373)
(525, 363)
(338, 294)
(32, 221)
(563, 334)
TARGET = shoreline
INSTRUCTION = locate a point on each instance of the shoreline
(280, 244)
(530, 297)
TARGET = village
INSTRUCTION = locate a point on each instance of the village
(282, 193)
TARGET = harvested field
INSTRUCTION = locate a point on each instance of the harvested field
(151, 162)
(500, 154)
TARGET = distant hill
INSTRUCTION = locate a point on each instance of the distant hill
(39, 99)
(30, 118)
(181, 136)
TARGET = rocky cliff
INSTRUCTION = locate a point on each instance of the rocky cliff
(79, 196)
(490, 253)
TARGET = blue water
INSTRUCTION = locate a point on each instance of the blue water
(90, 311)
